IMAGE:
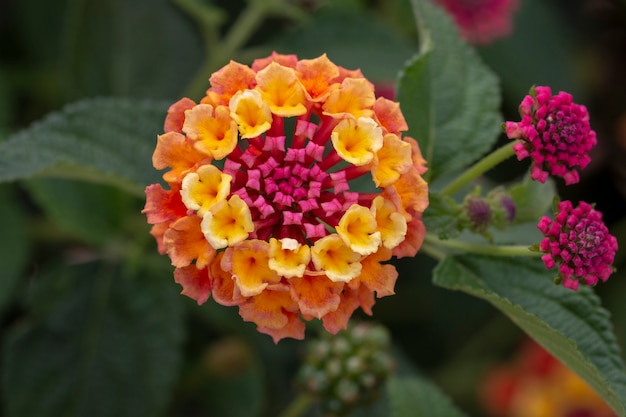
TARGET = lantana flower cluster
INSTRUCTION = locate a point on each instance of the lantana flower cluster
(555, 133)
(288, 186)
(579, 242)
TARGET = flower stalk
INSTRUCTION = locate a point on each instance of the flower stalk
(478, 248)
(494, 158)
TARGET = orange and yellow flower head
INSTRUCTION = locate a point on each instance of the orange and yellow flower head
(290, 187)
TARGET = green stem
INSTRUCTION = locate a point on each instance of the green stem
(298, 406)
(478, 248)
(218, 53)
(434, 251)
(479, 168)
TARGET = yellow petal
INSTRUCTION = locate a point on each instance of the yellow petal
(390, 222)
(356, 141)
(281, 90)
(392, 160)
(212, 130)
(205, 187)
(288, 257)
(227, 223)
(355, 97)
(332, 256)
(252, 114)
(248, 262)
(316, 75)
(357, 229)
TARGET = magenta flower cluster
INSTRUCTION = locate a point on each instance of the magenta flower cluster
(579, 242)
(554, 133)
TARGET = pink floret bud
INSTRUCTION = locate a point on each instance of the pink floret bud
(578, 241)
(555, 133)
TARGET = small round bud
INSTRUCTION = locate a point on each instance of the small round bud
(354, 366)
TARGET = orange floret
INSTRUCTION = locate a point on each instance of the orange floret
(195, 282)
(185, 243)
(248, 262)
(391, 161)
(317, 76)
(227, 81)
(174, 151)
(176, 115)
(316, 295)
(281, 90)
(355, 97)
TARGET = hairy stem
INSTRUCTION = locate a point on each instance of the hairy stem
(479, 168)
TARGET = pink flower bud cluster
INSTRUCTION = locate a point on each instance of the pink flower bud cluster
(578, 241)
(554, 133)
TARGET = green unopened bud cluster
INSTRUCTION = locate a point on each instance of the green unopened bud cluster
(347, 369)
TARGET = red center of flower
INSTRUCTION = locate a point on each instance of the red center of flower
(287, 183)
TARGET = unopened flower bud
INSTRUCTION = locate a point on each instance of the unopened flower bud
(478, 212)
(350, 370)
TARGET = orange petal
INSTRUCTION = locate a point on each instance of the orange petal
(248, 262)
(346, 73)
(378, 277)
(223, 284)
(413, 191)
(281, 90)
(337, 320)
(176, 115)
(294, 329)
(195, 282)
(185, 242)
(416, 155)
(228, 80)
(284, 60)
(316, 295)
(211, 130)
(413, 240)
(355, 97)
(274, 313)
(388, 115)
(163, 205)
(158, 230)
(173, 150)
(391, 161)
(317, 75)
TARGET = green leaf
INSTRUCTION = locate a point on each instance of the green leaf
(139, 48)
(449, 98)
(351, 39)
(14, 245)
(532, 199)
(103, 140)
(571, 325)
(91, 212)
(442, 216)
(415, 396)
(98, 341)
